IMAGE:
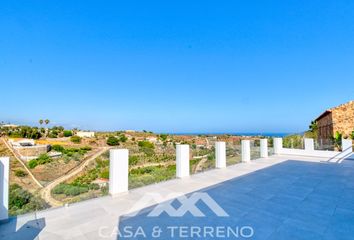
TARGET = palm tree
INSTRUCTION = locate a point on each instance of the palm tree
(46, 121)
(41, 121)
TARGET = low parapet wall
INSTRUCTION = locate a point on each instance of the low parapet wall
(309, 151)
(31, 152)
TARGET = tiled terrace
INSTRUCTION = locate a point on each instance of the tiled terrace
(280, 197)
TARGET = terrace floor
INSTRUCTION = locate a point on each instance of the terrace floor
(280, 197)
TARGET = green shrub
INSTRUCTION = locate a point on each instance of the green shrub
(86, 148)
(133, 160)
(22, 201)
(105, 174)
(68, 133)
(123, 138)
(75, 139)
(112, 141)
(146, 144)
(42, 159)
(58, 148)
(69, 189)
(20, 173)
(32, 163)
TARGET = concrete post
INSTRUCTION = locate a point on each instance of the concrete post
(347, 146)
(118, 171)
(264, 148)
(246, 150)
(4, 188)
(182, 160)
(220, 155)
(309, 144)
(278, 145)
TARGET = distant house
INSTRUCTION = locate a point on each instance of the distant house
(85, 134)
(9, 126)
(152, 139)
(338, 119)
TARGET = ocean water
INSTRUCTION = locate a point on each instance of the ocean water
(238, 134)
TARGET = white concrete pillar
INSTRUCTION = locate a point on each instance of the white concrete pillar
(278, 145)
(264, 148)
(118, 171)
(246, 150)
(4, 188)
(182, 160)
(220, 154)
(309, 144)
(347, 146)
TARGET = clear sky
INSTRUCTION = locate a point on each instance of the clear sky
(175, 66)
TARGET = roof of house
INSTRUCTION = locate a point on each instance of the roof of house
(333, 108)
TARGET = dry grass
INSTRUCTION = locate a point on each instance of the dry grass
(25, 182)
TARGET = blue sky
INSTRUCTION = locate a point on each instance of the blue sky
(175, 66)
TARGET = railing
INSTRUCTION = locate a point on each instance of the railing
(311, 151)
(218, 157)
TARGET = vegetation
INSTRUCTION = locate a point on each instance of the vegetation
(83, 184)
(68, 133)
(112, 141)
(146, 144)
(293, 141)
(352, 135)
(148, 175)
(73, 190)
(20, 173)
(22, 132)
(42, 159)
(75, 139)
(337, 138)
(22, 201)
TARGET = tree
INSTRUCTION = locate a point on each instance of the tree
(46, 122)
(41, 121)
(112, 141)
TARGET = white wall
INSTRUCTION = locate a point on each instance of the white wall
(4, 188)
(310, 152)
(85, 134)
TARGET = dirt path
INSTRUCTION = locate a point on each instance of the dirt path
(22, 163)
(46, 191)
(199, 166)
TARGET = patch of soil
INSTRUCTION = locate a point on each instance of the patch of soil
(51, 171)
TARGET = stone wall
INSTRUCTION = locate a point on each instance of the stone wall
(343, 118)
(33, 151)
(339, 119)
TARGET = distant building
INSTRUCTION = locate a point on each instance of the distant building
(9, 125)
(338, 119)
(151, 139)
(27, 149)
(85, 134)
(130, 131)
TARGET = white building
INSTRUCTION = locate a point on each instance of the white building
(85, 134)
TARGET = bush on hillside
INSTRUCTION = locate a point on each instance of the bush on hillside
(112, 141)
(75, 139)
(42, 159)
(68, 133)
(146, 144)
(22, 201)
(20, 173)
